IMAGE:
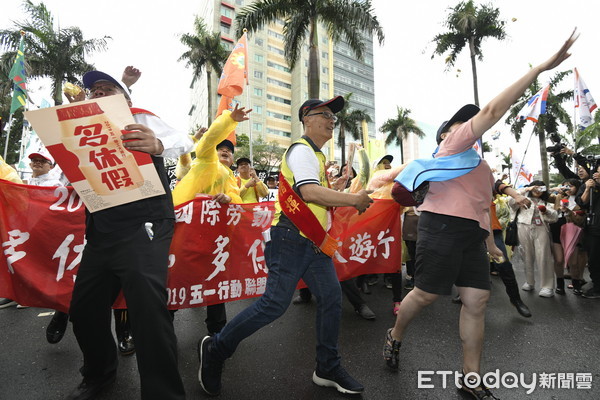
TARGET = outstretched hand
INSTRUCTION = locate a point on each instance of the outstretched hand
(561, 55)
(240, 114)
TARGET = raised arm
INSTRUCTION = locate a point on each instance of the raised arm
(495, 109)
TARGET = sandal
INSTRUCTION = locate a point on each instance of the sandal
(391, 350)
(481, 392)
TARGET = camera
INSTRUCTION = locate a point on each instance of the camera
(594, 157)
(556, 139)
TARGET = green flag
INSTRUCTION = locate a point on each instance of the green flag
(18, 100)
(17, 74)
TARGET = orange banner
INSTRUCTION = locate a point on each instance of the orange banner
(216, 255)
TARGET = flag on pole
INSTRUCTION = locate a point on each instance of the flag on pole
(18, 76)
(521, 173)
(584, 102)
(233, 78)
(535, 106)
(235, 71)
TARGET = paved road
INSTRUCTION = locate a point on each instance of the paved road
(563, 336)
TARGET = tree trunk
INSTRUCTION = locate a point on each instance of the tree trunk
(211, 107)
(314, 76)
(474, 69)
(543, 154)
(57, 95)
(342, 142)
(400, 140)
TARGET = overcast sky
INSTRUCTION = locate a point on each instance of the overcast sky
(146, 34)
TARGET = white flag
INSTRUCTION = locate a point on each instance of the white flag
(520, 172)
(584, 102)
(535, 106)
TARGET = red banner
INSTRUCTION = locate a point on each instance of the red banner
(216, 255)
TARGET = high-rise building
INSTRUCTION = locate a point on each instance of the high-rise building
(275, 92)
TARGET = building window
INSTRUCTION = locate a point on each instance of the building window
(275, 34)
(325, 86)
(258, 74)
(225, 29)
(279, 99)
(279, 83)
(279, 116)
(259, 58)
(258, 92)
(325, 55)
(278, 132)
(278, 66)
(325, 70)
(257, 127)
(275, 50)
(226, 11)
(258, 41)
(257, 110)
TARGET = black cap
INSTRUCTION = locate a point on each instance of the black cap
(388, 157)
(242, 160)
(226, 143)
(335, 105)
(463, 115)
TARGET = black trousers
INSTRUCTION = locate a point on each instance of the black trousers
(130, 260)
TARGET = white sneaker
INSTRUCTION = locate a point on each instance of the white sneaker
(527, 287)
(546, 292)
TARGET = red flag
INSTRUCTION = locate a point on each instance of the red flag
(235, 71)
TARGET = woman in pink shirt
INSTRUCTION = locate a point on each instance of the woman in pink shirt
(453, 233)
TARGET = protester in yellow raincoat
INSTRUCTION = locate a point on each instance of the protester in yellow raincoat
(208, 175)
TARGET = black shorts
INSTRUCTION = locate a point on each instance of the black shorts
(555, 229)
(450, 251)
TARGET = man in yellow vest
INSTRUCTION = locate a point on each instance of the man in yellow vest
(297, 247)
(252, 189)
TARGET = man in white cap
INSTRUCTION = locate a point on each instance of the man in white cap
(127, 248)
(41, 164)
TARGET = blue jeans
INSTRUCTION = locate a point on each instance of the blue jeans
(291, 257)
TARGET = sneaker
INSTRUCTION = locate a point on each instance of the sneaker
(20, 307)
(456, 299)
(591, 294)
(410, 284)
(546, 292)
(210, 370)
(527, 287)
(396, 309)
(57, 327)
(364, 311)
(372, 279)
(126, 344)
(391, 350)
(5, 303)
(339, 379)
(481, 392)
(301, 300)
(387, 281)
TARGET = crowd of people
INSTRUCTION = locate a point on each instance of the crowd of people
(451, 237)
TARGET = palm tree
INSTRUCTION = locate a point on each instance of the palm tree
(349, 121)
(205, 53)
(55, 53)
(345, 20)
(399, 128)
(469, 25)
(548, 122)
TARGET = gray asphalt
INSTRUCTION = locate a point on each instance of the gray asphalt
(563, 336)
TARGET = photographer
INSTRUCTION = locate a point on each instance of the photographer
(588, 198)
(559, 152)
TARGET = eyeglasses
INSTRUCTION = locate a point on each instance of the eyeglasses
(326, 114)
(40, 161)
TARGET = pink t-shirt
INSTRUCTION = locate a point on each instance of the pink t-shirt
(468, 196)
